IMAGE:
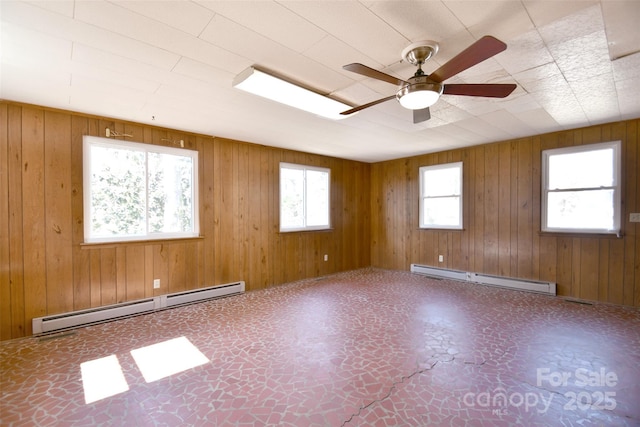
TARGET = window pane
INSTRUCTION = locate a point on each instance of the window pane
(444, 211)
(291, 198)
(117, 192)
(581, 210)
(135, 191)
(587, 169)
(170, 193)
(317, 198)
(442, 182)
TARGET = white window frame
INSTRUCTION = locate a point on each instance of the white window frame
(423, 171)
(616, 146)
(305, 227)
(92, 141)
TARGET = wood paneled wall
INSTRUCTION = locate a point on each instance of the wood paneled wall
(501, 233)
(45, 268)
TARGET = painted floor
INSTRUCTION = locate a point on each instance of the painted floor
(363, 348)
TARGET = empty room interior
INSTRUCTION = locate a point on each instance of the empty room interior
(319, 213)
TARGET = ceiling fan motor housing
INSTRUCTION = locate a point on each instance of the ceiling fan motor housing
(419, 93)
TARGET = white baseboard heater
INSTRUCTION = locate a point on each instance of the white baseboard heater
(548, 288)
(78, 318)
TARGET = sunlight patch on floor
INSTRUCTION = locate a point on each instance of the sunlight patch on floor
(102, 378)
(167, 358)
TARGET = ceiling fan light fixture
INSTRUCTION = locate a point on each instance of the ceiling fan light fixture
(267, 86)
(417, 96)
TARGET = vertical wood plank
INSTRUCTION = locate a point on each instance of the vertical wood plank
(630, 160)
(34, 210)
(504, 210)
(16, 236)
(135, 272)
(58, 224)
(5, 230)
(108, 276)
(491, 208)
(81, 257)
(524, 209)
(589, 274)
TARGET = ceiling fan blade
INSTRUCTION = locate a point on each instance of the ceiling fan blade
(483, 89)
(371, 104)
(421, 115)
(483, 49)
(374, 74)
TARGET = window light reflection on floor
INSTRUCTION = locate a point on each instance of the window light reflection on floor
(167, 358)
(102, 378)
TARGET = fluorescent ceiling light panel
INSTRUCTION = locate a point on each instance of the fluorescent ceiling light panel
(270, 87)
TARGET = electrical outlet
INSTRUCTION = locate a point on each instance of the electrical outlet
(156, 283)
(326, 257)
(440, 258)
(634, 217)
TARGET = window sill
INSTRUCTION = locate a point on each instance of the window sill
(578, 234)
(323, 230)
(91, 245)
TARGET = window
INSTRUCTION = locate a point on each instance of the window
(136, 191)
(441, 196)
(304, 197)
(581, 188)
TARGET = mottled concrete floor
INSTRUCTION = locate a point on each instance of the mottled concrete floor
(363, 348)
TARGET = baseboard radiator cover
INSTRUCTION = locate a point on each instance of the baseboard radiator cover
(74, 319)
(539, 286)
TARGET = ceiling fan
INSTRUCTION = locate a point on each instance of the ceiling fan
(423, 90)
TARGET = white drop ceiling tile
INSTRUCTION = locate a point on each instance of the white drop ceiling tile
(203, 72)
(448, 113)
(543, 78)
(627, 67)
(628, 98)
(357, 94)
(524, 52)
(125, 79)
(182, 15)
(335, 54)
(544, 12)
(85, 102)
(34, 86)
(27, 46)
(58, 25)
(109, 61)
(473, 105)
(563, 106)
(586, 54)
(520, 103)
(621, 22)
(137, 27)
(507, 122)
(484, 129)
(183, 87)
(499, 18)
(107, 91)
(538, 119)
(418, 20)
(372, 36)
(272, 20)
(575, 25)
(600, 103)
(63, 7)
(251, 46)
(458, 132)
